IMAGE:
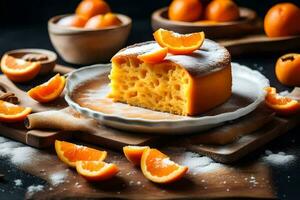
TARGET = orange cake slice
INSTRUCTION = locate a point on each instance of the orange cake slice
(181, 84)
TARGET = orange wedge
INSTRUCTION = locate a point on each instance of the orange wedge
(179, 43)
(19, 70)
(158, 167)
(96, 170)
(154, 56)
(280, 104)
(12, 113)
(48, 91)
(69, 153)
(134, 153)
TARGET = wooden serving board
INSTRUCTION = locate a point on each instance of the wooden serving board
(260, 43)
(224, 144)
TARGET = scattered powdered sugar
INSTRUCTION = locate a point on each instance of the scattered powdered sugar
(34, 188)
(166, 162)
(58, 178)
(280, 158)
(18, 182)
(198, 163)
(284, 93)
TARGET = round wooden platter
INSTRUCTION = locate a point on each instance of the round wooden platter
(247, 23)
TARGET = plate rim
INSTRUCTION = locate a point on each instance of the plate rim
(204, 120)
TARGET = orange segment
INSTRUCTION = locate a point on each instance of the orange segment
(96, 170)
(19, 70)
(158, 167)
(69, 153)
(134, 153)
(179, 43)
(12, 113)
(281, 105)
(154, 56)
(48, 91)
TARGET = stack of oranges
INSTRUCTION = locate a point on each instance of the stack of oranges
(194, 10)
(91, 14)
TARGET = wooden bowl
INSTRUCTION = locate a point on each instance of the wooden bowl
(47, 65)
(245, 25)
(88, 46)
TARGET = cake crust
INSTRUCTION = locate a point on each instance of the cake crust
(211, 57)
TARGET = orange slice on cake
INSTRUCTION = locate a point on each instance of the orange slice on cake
(158, 167)
(48, 91)
(155, 56)
(12, 113)
(69, 153)
(134, 153)
(19, 70)
(280, 104)
(179, 43)
(96, 170)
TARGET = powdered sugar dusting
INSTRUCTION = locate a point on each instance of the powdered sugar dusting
(197, 163)
(34, 188)
(18, 182)
(280, 158)
(58, 177)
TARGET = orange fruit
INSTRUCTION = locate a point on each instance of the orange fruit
(185, 10)
(222, 11)
(102, 21)
(48, 91)
(282, 20)
(158, 167)
(19, 70)
(96, 170)
(69, 153)
(134, 153)
(73, 21)
(154, 56)
(91, 8)
(287, 69)
(281, 105)
(12, 113)
(179, 43)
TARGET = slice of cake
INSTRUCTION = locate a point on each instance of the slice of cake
(181, 84)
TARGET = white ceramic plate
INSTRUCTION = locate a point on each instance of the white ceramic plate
(247, 91)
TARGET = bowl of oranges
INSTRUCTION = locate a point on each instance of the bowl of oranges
(92, 34)
(217, 18)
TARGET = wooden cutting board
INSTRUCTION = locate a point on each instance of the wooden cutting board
(224, 144)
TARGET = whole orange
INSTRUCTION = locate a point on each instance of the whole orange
(185, 10)
(73, 21)
(102, 21)
(90, 8)
(287, 69)
(222, 11)
(283, 19)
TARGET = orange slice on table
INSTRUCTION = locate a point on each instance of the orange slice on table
(12, 113)
(48, 91)
(96, 170)
(179, 43)
(134, 153)
(280, 104)
(158, 167)
(19, 70)
(69, 153)
(155, 56)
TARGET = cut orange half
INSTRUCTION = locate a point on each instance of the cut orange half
(96, 170)
(154, 56)
(280, 104)
(48, 91)
(12, 113)
(19, 70)
(179, 43)
(69, 153)
(134, 153)
(158, 167)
